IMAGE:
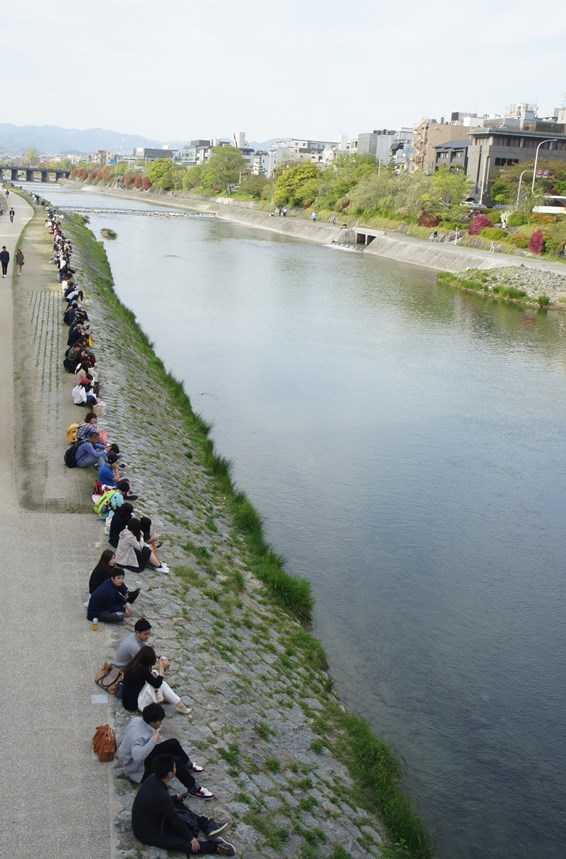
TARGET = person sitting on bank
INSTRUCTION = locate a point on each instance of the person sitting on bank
(104, 569)
(162, 820)
(144, 683)
(108, 604)
(132, 551)
(132, 644)
(110, 473)
(90, 452)
(142, 744)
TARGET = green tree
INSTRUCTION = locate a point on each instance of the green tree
(254, 186)
(193, 177)
(224, 168)
(448, 187)
(343, 174)
(298, 186)
(31, 156)
(165, 174)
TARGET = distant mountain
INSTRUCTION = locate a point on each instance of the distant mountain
(50, 140)
(265, 146)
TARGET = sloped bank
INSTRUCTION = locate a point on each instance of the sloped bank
(296, 773)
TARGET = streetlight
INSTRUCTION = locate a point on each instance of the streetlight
(550, 140)
(520, 180)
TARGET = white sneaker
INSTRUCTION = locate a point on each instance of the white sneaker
(162, 568)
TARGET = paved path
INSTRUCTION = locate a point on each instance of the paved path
(55, 798)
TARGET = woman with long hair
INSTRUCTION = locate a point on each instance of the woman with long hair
(132, 551)
(144, 683)
(103, 571)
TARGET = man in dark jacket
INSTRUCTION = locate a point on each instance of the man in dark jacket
(4, 259)
(107, 603)
(160, 820)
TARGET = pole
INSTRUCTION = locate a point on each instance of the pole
(550, 140)
(520, 180)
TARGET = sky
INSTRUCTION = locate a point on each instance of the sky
(299, 68)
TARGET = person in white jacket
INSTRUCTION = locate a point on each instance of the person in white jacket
(133, 553)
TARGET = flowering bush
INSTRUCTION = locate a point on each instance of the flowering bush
(146, 183)
(138, 181)
(427, 219)
(477, 224)
(536, 243)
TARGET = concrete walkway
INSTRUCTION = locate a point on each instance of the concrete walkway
(55, 797)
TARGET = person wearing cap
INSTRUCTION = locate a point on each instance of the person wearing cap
(90, 452)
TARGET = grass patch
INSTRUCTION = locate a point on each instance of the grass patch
(275, 836)
(272, 765)
(378, 771)
(231, 755)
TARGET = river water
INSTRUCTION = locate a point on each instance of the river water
(406, 445)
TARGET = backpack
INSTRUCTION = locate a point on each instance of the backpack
(102, 506)
(73, 433)
(104, 743)
(70, 456)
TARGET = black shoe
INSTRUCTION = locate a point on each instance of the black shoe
(215, 828)
(225, 849)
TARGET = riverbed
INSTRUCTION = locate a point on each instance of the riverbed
(405, 445)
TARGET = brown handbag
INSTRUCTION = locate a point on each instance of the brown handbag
(109, 678)
(104, 743)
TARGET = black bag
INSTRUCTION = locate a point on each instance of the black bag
(70, 456)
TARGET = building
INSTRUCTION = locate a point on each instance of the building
(149, 154)
(196, 152)
(429, 134)
(301, 151)
(453, 155)
(496, 147)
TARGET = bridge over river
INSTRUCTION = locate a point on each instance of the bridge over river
(21, 173)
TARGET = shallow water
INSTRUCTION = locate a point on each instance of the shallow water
(405, 444)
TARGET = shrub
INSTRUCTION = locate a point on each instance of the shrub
(517, 219)
(477, 224)
(543, 300)
(494, 233)
(494, 216)
(536, 243)
(519, 240)
(427, 219)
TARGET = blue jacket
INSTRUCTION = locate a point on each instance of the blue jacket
(107, 597)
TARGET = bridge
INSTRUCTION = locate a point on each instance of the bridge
(22, 173)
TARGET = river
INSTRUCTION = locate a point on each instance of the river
(405, 443)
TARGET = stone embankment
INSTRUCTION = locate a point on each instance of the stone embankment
(265, 722)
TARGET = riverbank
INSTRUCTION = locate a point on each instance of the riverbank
(297, 774)
(438, 256)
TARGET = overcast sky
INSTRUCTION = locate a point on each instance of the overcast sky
(182, 69)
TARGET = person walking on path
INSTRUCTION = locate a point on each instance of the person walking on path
(12, 214)
(19, 260)
(4, 259)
